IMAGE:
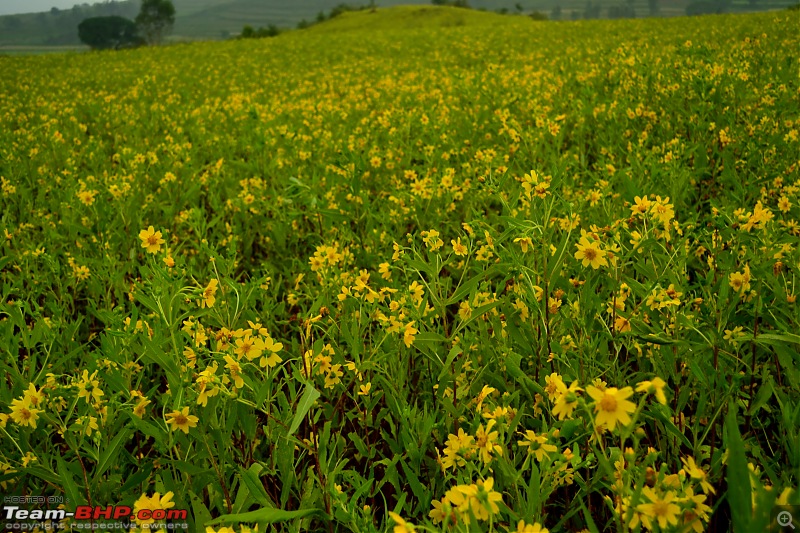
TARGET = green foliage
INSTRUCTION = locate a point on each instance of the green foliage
(155, 20)
(101, 33)
(306, 282)
(248, 32)
(457, 3)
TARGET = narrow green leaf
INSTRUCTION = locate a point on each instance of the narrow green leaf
(253, 482)
(416, 487)
(109, 455)
(202, 516)
(70, 487)
(454, 352)
(310, 395)
(265, 515)
(737, 475)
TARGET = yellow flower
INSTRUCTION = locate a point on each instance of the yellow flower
(458, 248)
(554, 385)
(740, 281)
(384, 271)
(656, 386)
(459, 447)
(151, 239)
(697, 513)
(660, 509)
(590, 253)
(86, 197)
(611, 406)
(522, 527)
(235, 371)
(33, 395)
(88, 424)
(402, 526)
(443, 512)
(487, 499)
(23, 413)
(249, 347)
(89, 387)
(408, 334)
(486, 442)
(182, 420)
(697, 473)
(272, 348)
(525, 243)
(482, 395)
(537, 445)
(641, 206)
(138, 410)
(209, 294)
(151, 503)
(567, 401)
(432, 240)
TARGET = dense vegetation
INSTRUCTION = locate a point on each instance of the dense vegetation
(219, 19)
(489, 276)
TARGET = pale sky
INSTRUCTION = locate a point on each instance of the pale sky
(7, 7)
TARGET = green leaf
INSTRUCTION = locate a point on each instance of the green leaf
(147, 428)
(253, 483)
(310, 395)
(264, 515)
(109, 455)
(590, 525)
(466, 288)
(764, 394)
(773, 338)
(454, 352)
(70, 487)
(359, 444)
(737, 475)
(419, 491)
(669, 425)
(138, 478)
(202, 516)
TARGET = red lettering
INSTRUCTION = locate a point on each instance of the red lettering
(83, 512)
(106, 513)
(122, 510)
(177, 514)
(144, 514)
(159, 514)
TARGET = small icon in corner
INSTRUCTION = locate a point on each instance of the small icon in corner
(785, 519)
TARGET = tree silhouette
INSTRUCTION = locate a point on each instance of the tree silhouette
(108, 33)
(155, 20)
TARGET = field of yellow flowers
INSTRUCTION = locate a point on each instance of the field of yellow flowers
(511, 277)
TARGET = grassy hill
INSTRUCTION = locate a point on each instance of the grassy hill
(216, 19)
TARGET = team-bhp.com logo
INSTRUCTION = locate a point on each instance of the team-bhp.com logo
(91, 517)
(121, 512)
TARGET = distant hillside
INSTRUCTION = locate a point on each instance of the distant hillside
(57, 26)
(216, 19)
(413, 17)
